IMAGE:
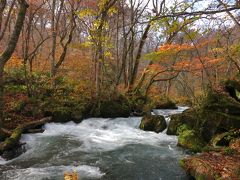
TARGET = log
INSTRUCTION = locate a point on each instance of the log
(13, 140)
(32, 125)
(40, 130)
(4, 133)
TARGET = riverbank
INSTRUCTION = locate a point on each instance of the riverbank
(221, 164)
(29, 102)
(212, 129)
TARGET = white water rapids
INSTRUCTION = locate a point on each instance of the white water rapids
(97, 149)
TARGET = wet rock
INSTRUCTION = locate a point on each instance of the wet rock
(188, 117)
(153, 123)
(77, 116)
(189, 139)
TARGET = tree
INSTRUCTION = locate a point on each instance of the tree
(7, 53)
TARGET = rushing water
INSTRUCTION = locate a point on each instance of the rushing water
(98, 149)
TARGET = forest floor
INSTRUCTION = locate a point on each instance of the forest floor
(213, 165)
(15, 118)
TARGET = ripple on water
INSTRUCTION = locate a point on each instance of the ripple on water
(101, 149)
(52, 172)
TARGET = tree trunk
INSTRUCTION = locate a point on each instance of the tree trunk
(139, 55)
(54, 39)
(1, 96)
(7, 53)
(2, 7)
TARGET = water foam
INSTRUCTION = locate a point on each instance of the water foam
(95, 144)
(52, 172)
(98, 134)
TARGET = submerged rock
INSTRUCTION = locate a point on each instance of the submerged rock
(153, 123)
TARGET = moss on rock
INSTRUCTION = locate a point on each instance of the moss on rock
(153, 123)
(189, 139)
(221, 102)
(188, 117)
(164, 103)
(114, 108)
(225, 138)
(215, 122)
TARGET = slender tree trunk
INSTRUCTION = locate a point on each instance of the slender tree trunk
(7, 53)
(54, 39)
(2, 7)
(139, 54)
(1, 95)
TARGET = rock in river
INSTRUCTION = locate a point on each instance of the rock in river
(153, 123)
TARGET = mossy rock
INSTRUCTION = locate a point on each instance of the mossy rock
(218, 114)
(139, 104)
(225, 138)
(213, 122)
(153, 123)
(60, 114)
(232, 86)
(77, 116)
(221, 102)
(188, 117)
(165, 103)
(190, 140)
(114, 108)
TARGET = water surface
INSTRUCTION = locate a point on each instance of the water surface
(98, 149)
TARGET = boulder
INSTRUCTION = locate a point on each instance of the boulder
(218, 125)
(114, 108)
(219, 113)
(189, 139)
(77, 116)
(165, 103)
(153, 123)
(221, 102)
(215, 122)
(188, 117)
(59, 114)
(232, 86)
(225, 138)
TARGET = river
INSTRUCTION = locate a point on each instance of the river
(98, 148)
